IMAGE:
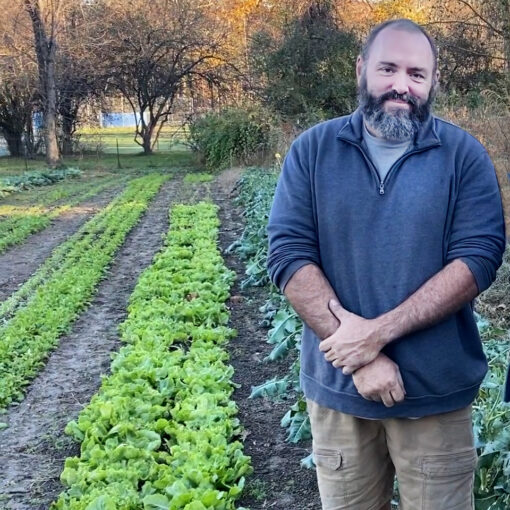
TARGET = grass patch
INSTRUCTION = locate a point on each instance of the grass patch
(257, 489)
(106, 139)
(198, 177)
(99, 164)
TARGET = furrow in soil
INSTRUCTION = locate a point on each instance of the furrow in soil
(278, 481)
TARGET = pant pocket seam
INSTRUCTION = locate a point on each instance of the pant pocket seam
(329, 459)
(448, 464)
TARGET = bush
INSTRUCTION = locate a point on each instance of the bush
(234, 135)
(309, 71)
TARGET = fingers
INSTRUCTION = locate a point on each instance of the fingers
(339, 363)
(330, 356)
(387, 399)
(325, 346)
(336, 363)
(350, 369)
(398, 393)
(374, 397)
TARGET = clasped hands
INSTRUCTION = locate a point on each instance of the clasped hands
(355, 347)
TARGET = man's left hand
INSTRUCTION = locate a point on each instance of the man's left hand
(354, 344)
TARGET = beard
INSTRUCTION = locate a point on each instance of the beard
(396, 125)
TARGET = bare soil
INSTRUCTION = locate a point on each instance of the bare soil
(33, 448)
(21, 261)
(278, 482)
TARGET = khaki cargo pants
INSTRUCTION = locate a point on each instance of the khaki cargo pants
(433, 457)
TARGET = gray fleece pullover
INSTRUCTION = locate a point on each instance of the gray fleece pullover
(378, 241)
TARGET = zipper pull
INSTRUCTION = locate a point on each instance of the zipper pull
(381, 188)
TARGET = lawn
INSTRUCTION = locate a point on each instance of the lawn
(99, 153)
(106, 139)
(98, 164)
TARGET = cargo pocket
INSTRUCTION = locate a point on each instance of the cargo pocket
(448, 481)
(328, 459)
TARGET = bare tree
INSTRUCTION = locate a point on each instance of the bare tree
(154, 46)
(494, 15)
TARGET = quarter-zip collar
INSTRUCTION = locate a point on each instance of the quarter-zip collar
(426, 137)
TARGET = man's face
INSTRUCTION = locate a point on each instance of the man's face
(396, 84)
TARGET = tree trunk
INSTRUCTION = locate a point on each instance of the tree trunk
(14, 143)
(147, 145)
(66, 143)
(30, 146)
(50, 112)
(67, 130)
(45, 48)
(146, 133)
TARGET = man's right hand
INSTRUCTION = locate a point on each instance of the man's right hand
(380, 380)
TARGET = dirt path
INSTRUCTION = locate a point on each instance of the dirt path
(278, 481)
(21, 261)
(33, 448)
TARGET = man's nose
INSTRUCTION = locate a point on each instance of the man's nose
(400, 83)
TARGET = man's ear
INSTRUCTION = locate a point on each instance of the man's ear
(436, 85)
(359, 68)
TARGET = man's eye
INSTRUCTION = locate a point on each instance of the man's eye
(418, 76)
(387, 70)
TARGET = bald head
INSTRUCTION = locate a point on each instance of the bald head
(405, 25)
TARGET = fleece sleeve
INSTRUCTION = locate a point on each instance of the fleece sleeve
(291, 229)
(477, 236)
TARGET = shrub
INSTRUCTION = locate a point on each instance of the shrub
(234, 135)
(309, 71)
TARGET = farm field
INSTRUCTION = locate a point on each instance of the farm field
(52, 379)
(147, 362)
(199, 408)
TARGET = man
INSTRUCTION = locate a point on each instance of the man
(385, 225)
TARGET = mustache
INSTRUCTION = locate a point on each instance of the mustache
(408, 98)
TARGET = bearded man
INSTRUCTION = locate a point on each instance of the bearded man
(385, 226)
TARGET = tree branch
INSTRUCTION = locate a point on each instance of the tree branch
(480, 16)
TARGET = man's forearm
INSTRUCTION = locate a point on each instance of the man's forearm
(442, 295)
(309, 293)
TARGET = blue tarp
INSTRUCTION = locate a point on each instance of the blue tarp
(118, 119)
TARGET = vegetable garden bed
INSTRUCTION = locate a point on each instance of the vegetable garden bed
(44, 307)
(17, 222)
(161, 431)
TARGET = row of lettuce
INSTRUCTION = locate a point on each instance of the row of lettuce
(34, 318)
(161, 432)
(22, 217)
(491, 416)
